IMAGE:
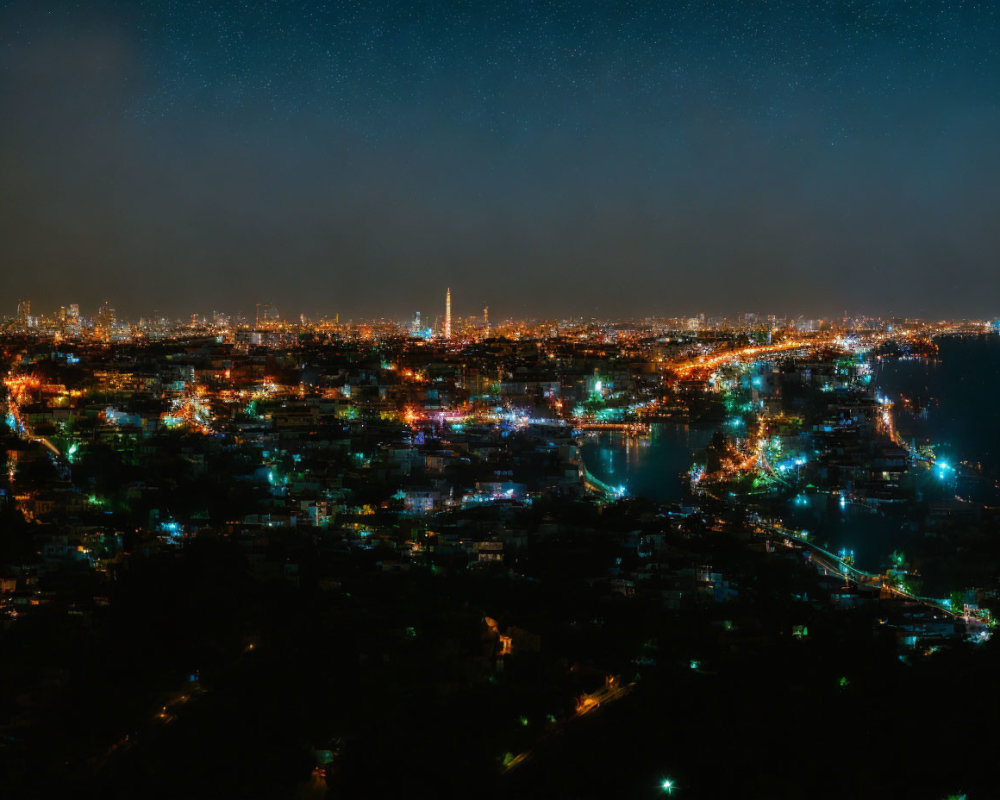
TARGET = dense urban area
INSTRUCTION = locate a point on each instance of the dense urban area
(255, 557)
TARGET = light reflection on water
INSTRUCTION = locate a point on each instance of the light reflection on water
(964, 380)
(648, 466)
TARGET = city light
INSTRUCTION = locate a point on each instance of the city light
(690, 489)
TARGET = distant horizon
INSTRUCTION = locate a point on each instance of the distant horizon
(545, 159)
(428, 317)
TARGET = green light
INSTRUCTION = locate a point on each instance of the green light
(843, 682)
(524, 721)
(667, 786)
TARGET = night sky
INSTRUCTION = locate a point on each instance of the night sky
(604, 158)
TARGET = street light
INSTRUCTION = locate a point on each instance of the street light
(667, 786)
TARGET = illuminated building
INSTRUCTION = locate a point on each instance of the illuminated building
(106, 315)
(486, 320)
(447, 314)
(267, 313)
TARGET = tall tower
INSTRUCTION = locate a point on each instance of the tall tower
(486, 319)
(447, 314)
(106, 315)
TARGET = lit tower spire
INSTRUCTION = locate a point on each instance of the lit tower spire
(447, 314)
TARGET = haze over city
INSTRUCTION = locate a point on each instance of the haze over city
(548, 159)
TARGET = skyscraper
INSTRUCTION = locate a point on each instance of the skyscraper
(447, 314)
(486, 320)
(106, 315)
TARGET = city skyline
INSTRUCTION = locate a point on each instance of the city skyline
(440, 322)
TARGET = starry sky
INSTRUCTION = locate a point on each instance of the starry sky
(545, 158)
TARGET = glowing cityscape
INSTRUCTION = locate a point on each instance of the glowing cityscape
(499, 400)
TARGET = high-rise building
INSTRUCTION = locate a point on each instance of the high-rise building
(23, 311)
(447, 314)
(486, 320)
(74, 311)
(415, 328)
(106, 315)
(267, 313)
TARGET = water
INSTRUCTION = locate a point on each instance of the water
(870, 536)
(954, 396)
(965, 383)
(959, 390)
(647, 466)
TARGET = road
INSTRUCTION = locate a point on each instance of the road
(588, 704)
(832, 564)
(712, 361)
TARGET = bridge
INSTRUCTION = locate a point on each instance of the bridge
(624, 427)
(831, 563)
(595, 484)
